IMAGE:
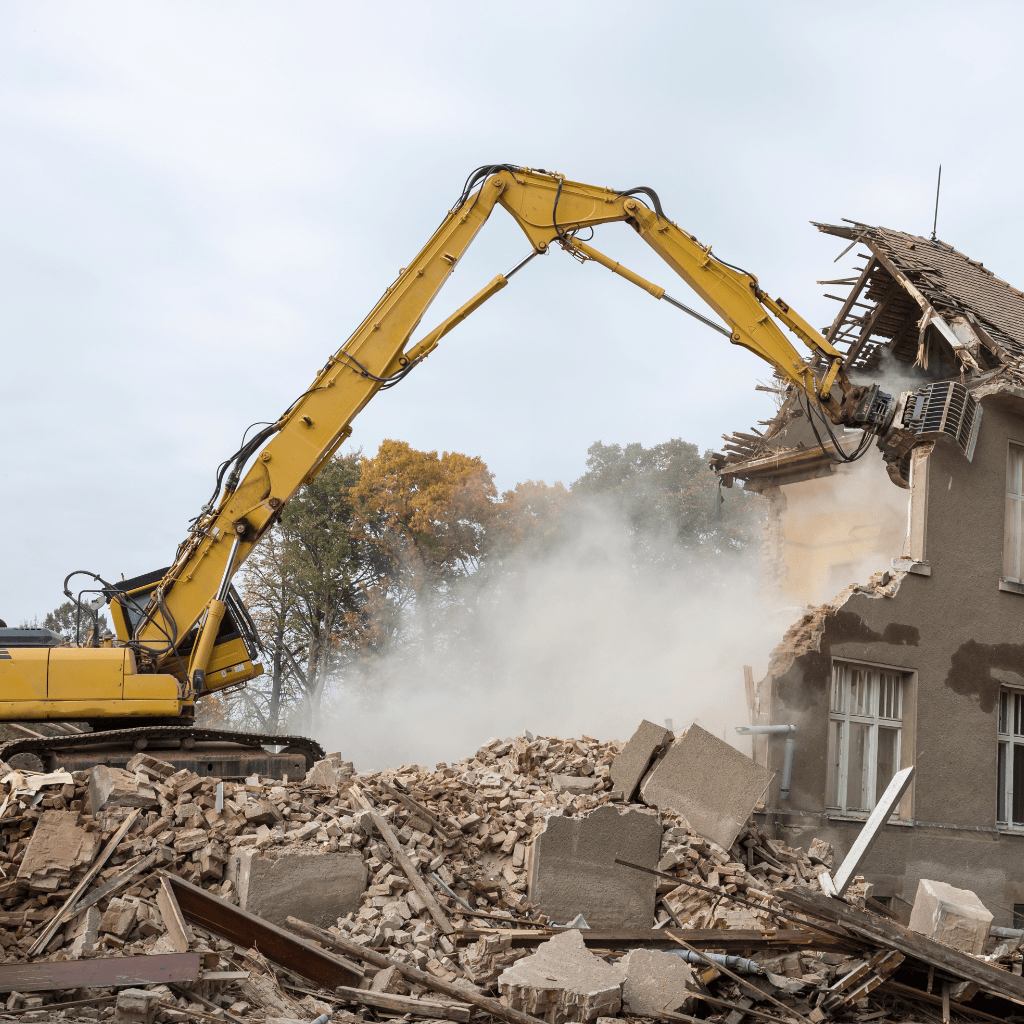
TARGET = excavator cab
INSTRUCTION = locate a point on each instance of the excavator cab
(235, 649)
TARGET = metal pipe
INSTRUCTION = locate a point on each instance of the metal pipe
(787, 768)
(736, 963)
(787, 761)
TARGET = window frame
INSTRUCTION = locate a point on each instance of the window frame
(1007, 740)
(1013, 514)
(838, 739)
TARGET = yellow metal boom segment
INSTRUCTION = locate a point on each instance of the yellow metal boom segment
(550, 210)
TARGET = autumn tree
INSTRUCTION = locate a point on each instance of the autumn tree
(429, 516)
(309, 579)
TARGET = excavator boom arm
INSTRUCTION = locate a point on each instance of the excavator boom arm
(549, 209)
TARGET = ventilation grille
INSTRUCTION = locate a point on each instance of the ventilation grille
(946, 407)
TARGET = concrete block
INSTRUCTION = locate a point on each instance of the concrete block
(136, 1006)
(573, 869)
(954, 917)
(190, 840)
(119, 918)
(629, 768)
(574, 783)
(563, 981)
(656, 981)
(262, 812)
(822, 852)
(316, 886)
(59, 848)
(153, 767)
(331, 771)
(115, 787)
(711, 784)
(85, 932)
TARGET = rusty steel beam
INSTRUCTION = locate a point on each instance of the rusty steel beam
(102, 972)
(246, 930)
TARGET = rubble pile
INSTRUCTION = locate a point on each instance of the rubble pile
(539, 878)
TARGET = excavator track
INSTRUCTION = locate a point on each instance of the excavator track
(219, 752)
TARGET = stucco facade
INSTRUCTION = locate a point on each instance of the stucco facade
(919, 660)
(958, 639)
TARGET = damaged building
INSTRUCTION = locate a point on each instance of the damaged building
(911, 583)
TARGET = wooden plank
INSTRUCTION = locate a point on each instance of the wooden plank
(852, 298)
(246, 930)
(759, 994)
(910, 994)
(402, 1004)
(68, 910)
(748, 686)
(157, 856)
(418, 883)
(179, 935)
(461, 993)
(101, 972)
(881, 932)
(876, 314)
(734, 940)
(413, 806)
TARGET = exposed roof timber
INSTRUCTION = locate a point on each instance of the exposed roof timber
(913, 283)
(950, 282)
(876, 314)
(852, 298)
(931, 316)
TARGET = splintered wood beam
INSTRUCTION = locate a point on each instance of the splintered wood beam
(67, 911)
(407, 866)
(851, 299)
(869, 326)
(880, 932)
(412, 806)
(468, 994)
(402, 1004)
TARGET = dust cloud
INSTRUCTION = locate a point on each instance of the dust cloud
(580, 640)
(840, 529)
(894, 376)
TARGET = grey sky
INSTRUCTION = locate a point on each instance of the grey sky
(201, 200)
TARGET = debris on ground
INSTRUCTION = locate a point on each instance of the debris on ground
(526, 881)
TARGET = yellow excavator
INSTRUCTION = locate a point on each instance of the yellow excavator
(182, 632)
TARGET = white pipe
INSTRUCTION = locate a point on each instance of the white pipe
(787, 768)
(787, 762)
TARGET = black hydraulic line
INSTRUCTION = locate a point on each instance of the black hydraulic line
(650, 193)
(840, 455)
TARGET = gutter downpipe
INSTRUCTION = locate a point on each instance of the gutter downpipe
(787, 762)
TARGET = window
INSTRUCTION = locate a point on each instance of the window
(865, 735)
(1010, 760)
(1013, 569)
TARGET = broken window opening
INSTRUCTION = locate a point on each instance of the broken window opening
(1013, 570)
(1010, 760)
(865, 735)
